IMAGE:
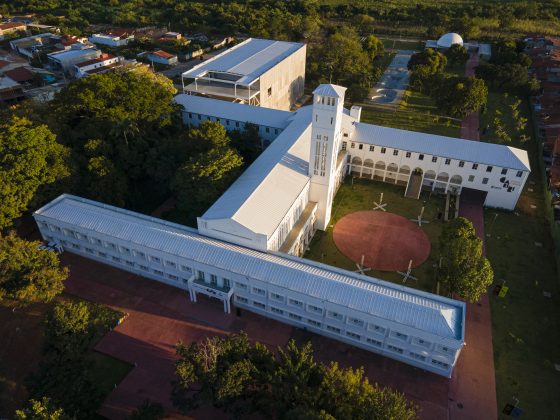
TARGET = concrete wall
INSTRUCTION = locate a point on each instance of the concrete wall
(286, 82)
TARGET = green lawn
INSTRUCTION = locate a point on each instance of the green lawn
(416, 112)
(401, 44)
(360, 196)
(107, 371)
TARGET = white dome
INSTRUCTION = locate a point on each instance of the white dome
(449, 39)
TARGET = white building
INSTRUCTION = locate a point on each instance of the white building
(78, 53)
(112, 39)
(447, 40)
(256, 71)
(414, 327)
(241, 248)
(103, 63)
(160, 57)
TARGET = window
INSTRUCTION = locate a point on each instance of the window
(417, 356)
(376, 328)
(269, 91)
(237, 124)
(422, 342)
(276, 310)
(75, 246)
(489, 169)
(102, 254)
(395, 349)
(333, 329)
(199, 117)
(227, 282)
(260, 292)
(259, 305)
(447, 161)
(155, 259)
(294, 302)
(355, 321)
(399, 335)
(360, 146)
(383, 150)
(267, 129)
(440, 364)
(352, 145)
(227, 122)
(277, 297)
(420, 156)
(241, 299)
(445, 349)
(353, 335)
(504, 171)
(186, 268)
(158, 272)
(331, 120)
(213, 279)
(294, 316)
(116, 259)
(475, 166)
(276, 131)
(89, 250)
(200, 275)
(242, 286)
(434, 159)
(140, 254)
(485, 181)
(344, 145)
(170, 264)
(173, 277)
(129, 263)
(371, 148)
(314, 323)
(143, 267)
(519, 174)
(374, 342)
(471, 178)
(318, 137)
(315, 309)
(395, 152)
(335, 315)
(461, 163)
(345, 135)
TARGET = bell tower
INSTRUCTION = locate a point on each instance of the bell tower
(328, 101)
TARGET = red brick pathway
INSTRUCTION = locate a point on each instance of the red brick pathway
(471, 123)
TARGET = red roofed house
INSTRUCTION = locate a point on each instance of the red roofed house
(161, 57)
(20, 75)
(11, 27)
(102, 64)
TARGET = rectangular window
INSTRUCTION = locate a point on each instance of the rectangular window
(259, 305)
(475, 166)
(242, 286)
(352, 145)
(155, 259)
(125, 250)
(314, 323)
(333, 329)
(276, 310)
(260, 292)
(417, 356)
(440, 364)
(519, 174)
(173, 277)
(485, 181)
(276, 131)
(376, 328)
(294, 316)
(471, 178)
(335, 315)
(130, 263)
(139, 254)
(353, 335)
(241, 299)
(489, 169)
(447, 161)
(143, 267)
(89, 250)
(277, 297)
(395, 152)
(461, 163)
(102, 254)
(355, 321)
(360, 146)
(376, 343)
(395, 349)
(318, 137)
(383, 150)
(200, 275)
(408, 154)
(116, 259)
(199, 117)
(344, 145)
(170, 264)
(186, 268)
(267, 129)
(75, 246)
(158, 272)
(315, 309)
(434, 159)
(237, 124)
(190, 115)
(269, 91)
(227, 122)
(420, 156)
(213, 279)
(371, 148)
(399, 335)
(294, 302)
(504, 171)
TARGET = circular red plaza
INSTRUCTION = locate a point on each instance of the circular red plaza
(386, 240)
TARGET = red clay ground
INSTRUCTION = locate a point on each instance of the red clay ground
(387, 241)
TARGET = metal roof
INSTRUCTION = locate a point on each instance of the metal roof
(260, 198)
(447, 147)
(330, 90)
(415, 309)
(236, 112)
(250, 58)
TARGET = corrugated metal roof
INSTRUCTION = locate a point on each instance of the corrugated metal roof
(250, 59)
(260, 198)
(330, 90)
(235, 112)
(447, 147)
(430, 313)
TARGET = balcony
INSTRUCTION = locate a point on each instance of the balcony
(213, 286)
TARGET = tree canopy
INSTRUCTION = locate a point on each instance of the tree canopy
(457, 55)
(27, 273)
(460, 96)
(30, 158)
(244, 379)
(40, 410)
(464, 270)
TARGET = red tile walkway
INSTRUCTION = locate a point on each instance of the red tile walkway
(471, 123)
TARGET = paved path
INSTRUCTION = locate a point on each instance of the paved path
(471, 123)
(472, 393)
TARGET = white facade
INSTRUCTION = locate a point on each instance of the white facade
(111, 40)
(65, 60)
(414, 327)
(84, 69)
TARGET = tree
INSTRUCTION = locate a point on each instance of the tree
(464, 270)
(457, 55)
(148, 411)
(68, 330)
(434, 60)
(30, 157)
(460, 96)
(247, 379)
(373, 47)
(27, 273)
(40, 410)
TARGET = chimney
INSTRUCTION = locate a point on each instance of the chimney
(356, 112)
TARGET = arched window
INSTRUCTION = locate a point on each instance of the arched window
(456, 179)
(368, 163)
(392, 167)
(356, 160)
(380, 165)
(443, 177)
(430, 175)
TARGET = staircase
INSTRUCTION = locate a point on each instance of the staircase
(414, 186)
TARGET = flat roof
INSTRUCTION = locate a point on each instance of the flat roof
(432, 314)
(447, 147)
(233, 111)
(249, 59)
(64, 55)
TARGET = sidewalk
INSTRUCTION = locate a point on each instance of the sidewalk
(470, 126)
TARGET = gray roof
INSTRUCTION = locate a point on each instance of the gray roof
(250, 59)
(419, 310)
(330, 90)
(233, 111)
(447, 147)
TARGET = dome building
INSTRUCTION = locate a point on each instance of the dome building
(447, 40)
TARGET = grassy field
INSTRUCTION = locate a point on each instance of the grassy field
(416, 112)
(360, 195)
(396, 43)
